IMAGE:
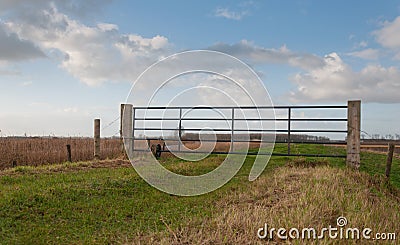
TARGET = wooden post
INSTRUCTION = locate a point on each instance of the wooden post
(69, 153)
(97, 138)
(127, 128)
(121, 116)
(389, 159)
(353, 133)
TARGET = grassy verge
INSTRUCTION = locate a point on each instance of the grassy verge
(97, 205)
(293, 197)
(85, 203)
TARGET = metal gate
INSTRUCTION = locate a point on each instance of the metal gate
(155, 142)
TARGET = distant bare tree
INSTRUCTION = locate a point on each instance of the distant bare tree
(389, 137)
(375, 136)
(397, 136)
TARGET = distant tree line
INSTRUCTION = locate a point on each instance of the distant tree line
(278, 137)
(381, 137)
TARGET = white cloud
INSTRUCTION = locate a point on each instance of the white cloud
(368, 54)
(389, 36)
(336, 81)
(93, 54)
(229, 14)
(7, 70)
(107, 27)
(70, 110)
(26, 84)
(70, 7)
(254, 54)
(363, 44)
(13, 48)
(327, 79)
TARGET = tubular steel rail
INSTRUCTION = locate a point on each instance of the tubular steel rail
(232, 130)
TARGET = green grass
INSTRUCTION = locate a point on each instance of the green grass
(113, 205)
(372, 163)
(97, 205)
(100, 205)
(375, 164)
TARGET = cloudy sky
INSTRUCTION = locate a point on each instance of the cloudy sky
(65, 62)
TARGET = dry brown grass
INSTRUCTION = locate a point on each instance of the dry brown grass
(41, 151)
(298, 197)
(37, 151)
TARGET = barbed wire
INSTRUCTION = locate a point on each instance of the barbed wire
(361, 131)
(365, 132)
(110, 124)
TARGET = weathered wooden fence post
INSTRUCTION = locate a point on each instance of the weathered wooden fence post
(127, 128)
(121, 116)
(69, 157)
(97, 138)
(389, 159)
(353, 133)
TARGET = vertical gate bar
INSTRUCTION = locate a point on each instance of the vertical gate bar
(233, 128)
(179, 130)
(289, 128)
(133, 129)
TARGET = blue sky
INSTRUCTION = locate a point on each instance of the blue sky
(65, 62)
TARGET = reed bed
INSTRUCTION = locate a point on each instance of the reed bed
(34, 151)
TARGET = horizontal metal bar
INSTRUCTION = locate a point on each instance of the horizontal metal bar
(240, 107)
(209, 119)
(155, 119)
(214, 152)
(157, 129)
(183, 119)
(293, 119)
(249, 153)
(203, 140)
(308, 155)
(206, 152)
(249, 141)
(317, 131)
(185, 129)
(246, 119)
(314, 142)
(319, 119)
(247, 130)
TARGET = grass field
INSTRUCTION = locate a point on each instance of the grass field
(107, 202)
